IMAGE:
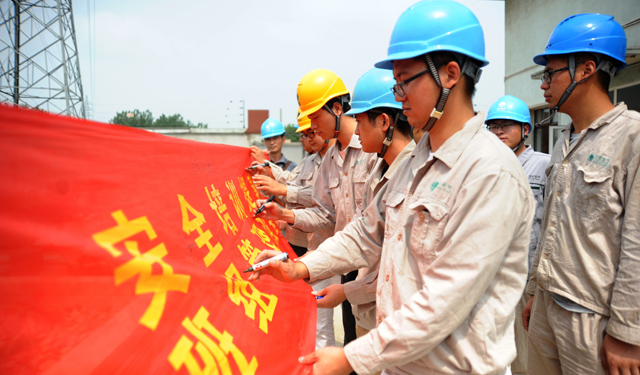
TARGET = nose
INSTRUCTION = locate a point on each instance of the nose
(358, 128)
(544, 85)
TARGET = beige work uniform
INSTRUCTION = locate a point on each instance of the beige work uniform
(337, 191)
(453, 260)
(361, 292)
(589, 246)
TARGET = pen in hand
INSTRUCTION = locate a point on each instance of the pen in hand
(282, 257)
(261, 208)
(265, 164)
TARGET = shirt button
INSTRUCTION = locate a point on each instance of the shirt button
(347, 195)
(346, 173)
(357, 318)
(379, 320)
(558, 193)
(552, 224)
(399, 236)
(386, 278)
(565, 162)
(421, 217)
(544, 255)
(348, 220)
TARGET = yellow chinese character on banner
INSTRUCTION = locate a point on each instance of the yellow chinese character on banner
(213, 349)
(250, 184)
(142, 265)
(263, 237)
(241, 291)
(215, 202)
(247, 195)
(196, 224)
(269, 227)
(248, 252)
(235, 198)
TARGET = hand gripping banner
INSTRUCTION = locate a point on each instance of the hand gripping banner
(122, 251)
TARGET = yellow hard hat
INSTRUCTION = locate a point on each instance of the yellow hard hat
(317, 88)
(303, 123)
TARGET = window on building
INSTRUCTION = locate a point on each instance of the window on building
(630, 95)
(545, 136)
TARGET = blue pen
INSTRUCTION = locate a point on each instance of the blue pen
(319, 297)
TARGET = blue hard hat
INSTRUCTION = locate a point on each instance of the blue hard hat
(510, 108)
(432, 26)
(271, 128)
(373, 90)
(588, 32)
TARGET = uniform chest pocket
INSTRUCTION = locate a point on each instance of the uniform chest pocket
(359, 180)
(393, 212)
(306, 178)
(427, 219)
(589, 195)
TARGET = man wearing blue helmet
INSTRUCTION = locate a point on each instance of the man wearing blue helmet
(383, 130)
(273, 132)
(583, 315)
(509, 119)
(453, 260)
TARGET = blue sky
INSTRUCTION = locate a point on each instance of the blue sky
(194, 57)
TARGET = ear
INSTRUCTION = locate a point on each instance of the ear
(337, 108)
(527, 129)
(386, 122)
(589, 69)
(450, 74)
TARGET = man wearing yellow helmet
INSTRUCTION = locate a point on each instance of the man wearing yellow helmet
(339, 189)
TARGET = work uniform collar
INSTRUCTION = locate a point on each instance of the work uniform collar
(452, 148)
(603, 120)
(526, 154)
(406, 151)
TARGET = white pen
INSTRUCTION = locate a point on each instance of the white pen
(258, 266)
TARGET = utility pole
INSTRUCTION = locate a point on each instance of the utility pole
(39, 65)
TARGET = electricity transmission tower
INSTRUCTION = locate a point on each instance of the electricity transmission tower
(39, 66)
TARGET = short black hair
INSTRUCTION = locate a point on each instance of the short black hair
(401, 125)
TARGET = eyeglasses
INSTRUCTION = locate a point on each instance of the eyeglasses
(308, 134)
(398, 88)
(504, 127)
(547, 76)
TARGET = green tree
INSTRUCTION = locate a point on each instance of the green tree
(133, 118)
(291, 134)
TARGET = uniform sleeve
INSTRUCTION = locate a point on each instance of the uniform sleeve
(363, 290)
(624, 323)
(470, 254)
(358, 245)
(302, 195)
(322, 214)
(284, 176)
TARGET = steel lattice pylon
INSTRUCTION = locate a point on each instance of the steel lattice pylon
(39, 65)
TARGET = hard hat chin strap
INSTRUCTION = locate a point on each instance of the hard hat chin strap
(468, 67)
(523, 137)
(389, 136)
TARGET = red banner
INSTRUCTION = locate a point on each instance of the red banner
(122, 251)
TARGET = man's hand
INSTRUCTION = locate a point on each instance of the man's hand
(270, 185)
(328, 361)
(257, 154)
(287, 272)
(273, 211)
(259, 170)
(618, 357)
(526, 313)
(333, 295)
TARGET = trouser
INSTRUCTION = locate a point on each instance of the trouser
(563, 342)
(299, 250)
(519, 365)
(325, 334)
(348, 320)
